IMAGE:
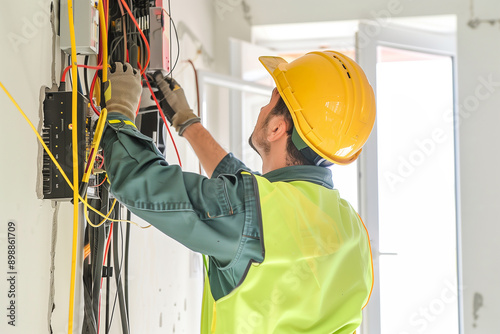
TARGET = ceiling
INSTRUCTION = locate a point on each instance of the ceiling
(336, 34)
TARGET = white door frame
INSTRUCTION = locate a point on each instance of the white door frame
(370, 35)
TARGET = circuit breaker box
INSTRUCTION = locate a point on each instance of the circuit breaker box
(159, 31)
(57, 135)
(86, 20)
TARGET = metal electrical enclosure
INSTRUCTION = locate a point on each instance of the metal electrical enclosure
(57, 134)
(86, 18)
(159, 39)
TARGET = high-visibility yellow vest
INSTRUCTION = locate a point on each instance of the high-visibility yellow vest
(317, 272)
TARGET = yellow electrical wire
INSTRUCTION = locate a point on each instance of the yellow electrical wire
(74, 140)
(107, 92)
(102, 221)
(106, 218)
(57, 164)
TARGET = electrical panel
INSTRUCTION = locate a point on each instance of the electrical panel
(86, 20)
(57, 135)
(159, 39)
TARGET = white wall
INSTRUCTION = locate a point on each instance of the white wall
(479, 61)
(25, 69)
(157, 263)
(230, 22)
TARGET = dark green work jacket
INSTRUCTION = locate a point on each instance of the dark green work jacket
(215, 216)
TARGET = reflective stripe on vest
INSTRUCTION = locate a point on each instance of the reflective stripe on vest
(317, 273)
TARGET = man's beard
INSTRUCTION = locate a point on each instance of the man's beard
(251, 144)
(266, 147)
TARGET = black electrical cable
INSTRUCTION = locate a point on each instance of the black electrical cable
(99, 249)
(142, 46)
(113, 46)
(126, 264)
(170, 37)
(114, 10)
(85, 77)
(108, 280)
(121, 296)
(80, 89)
(178, 44)
(78, 84)
(115, 241)
(115, 43)
(131, 27)
(89, 325)
(93, 271)
(69, 74)
(118, 270)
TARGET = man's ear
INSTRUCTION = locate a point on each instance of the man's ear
(276, 128)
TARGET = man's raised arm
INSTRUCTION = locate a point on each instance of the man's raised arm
(187, 124)
(209, 152)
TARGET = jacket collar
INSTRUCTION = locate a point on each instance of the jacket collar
(314, 174)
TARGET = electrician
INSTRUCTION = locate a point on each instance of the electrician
(286, 253)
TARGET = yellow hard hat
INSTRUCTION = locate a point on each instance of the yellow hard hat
(331, 102)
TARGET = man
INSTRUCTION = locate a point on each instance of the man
(286, 253)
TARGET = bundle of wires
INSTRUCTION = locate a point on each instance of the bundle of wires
(128, 23)
(99, 238)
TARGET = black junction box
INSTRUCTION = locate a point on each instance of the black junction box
(57, 135)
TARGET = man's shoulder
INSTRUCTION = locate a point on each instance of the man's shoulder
(230, 165)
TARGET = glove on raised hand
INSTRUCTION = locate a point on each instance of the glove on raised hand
(126, 89)
(174, 103)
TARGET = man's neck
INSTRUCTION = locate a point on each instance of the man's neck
(273, 161)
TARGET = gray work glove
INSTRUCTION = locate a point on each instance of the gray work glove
(174, 104)
(126, 89)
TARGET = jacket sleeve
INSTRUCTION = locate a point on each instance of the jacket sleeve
(206, 215)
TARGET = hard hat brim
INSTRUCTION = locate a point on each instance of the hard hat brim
(272, 63)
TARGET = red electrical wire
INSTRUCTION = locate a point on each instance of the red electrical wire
(100, 60)
(100, 184)
(106, 11)
(164, 119)
(65, 72)
(102, 160)
(107, 243)
(91, 94)
(142, 34)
